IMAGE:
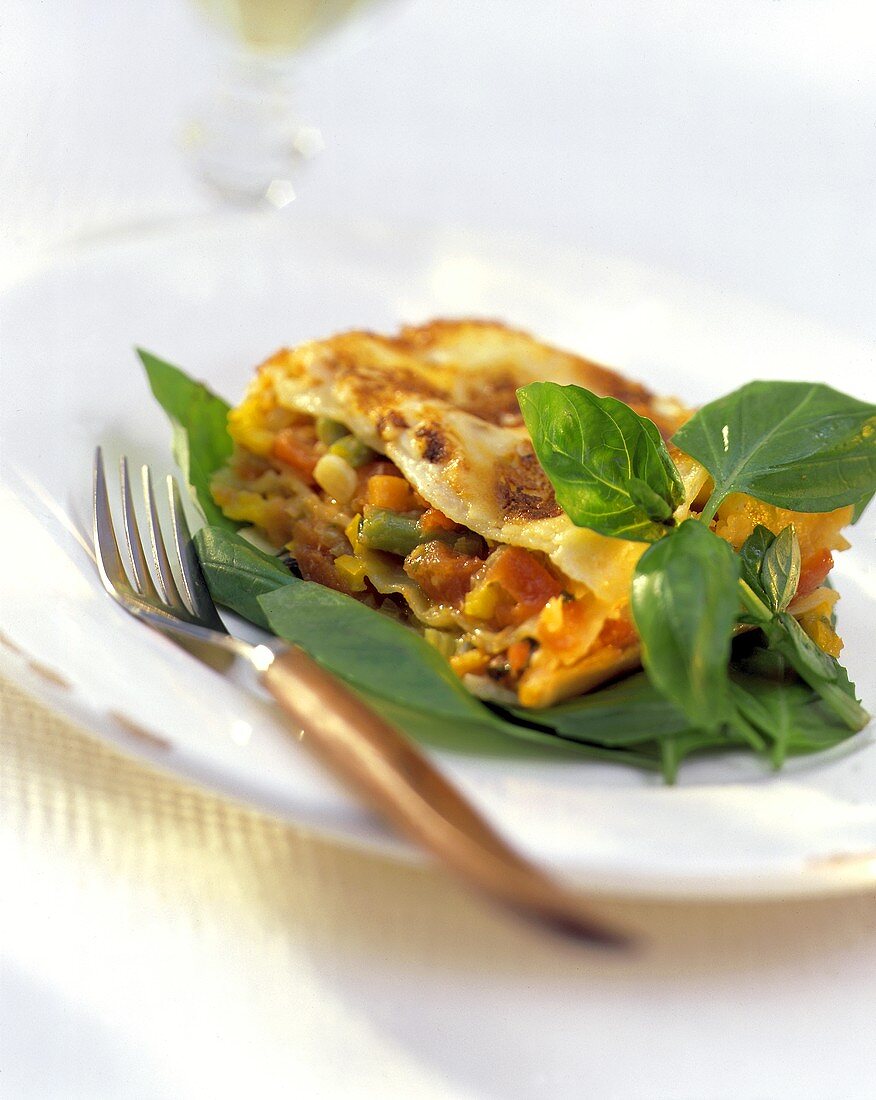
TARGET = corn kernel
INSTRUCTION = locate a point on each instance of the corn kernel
(351, 572)
(481, 602)
(335, 477)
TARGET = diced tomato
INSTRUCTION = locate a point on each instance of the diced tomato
(525, 580)
(433, 520)
(315, 553)
(813, 571)
(248, 467)
(297, 448)
(443, 574)
(388, 491)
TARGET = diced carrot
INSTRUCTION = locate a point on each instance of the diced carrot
(526, 581)
(813, 571)
(379, 467)
(296, 447)
(518, 655)
(392, 493)
(434, 520)
(443, 573)
(618, 632)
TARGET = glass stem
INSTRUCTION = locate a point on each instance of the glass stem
(248, 139)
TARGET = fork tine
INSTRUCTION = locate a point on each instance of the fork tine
(192, 577)
(109, 559)
(142, 577)
(159, 552)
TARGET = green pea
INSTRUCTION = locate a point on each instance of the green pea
(329, 431)
(352, 450)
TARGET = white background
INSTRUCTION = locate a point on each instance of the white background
(167, 945)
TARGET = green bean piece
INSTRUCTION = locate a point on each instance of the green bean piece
(352, 450)
(329, 431)
(390, 531)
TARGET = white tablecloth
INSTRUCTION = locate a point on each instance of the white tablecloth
(160, 942)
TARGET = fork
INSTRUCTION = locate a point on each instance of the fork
(373, 760)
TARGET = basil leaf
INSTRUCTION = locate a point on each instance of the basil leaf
(789, 712)
(751, 556)
(368, 649)
(237, 572)
(771, 564)
(674, 749)
(201, 443)
(824, 674)
(861, 506)
(629, 712)
(401, 675)
(653, 505)
(485, 735)
(798, 445)
(609, 467)
(780, 569)
(684, 602)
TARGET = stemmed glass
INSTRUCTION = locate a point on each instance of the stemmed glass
(250, 140)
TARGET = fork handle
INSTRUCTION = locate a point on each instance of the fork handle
(398, 781)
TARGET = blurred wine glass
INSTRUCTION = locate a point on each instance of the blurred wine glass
(249, 140)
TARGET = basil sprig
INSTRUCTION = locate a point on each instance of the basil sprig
(771, 565)
(609, 467)
(770, 572)
(799, 445)
(802, 446)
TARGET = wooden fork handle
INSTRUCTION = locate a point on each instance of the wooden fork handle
(385, 770)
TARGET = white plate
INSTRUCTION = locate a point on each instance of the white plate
(218, 296)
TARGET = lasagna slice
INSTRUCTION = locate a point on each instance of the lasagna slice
(398, 470)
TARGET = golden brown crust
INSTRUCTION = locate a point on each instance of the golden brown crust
(523, 491)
